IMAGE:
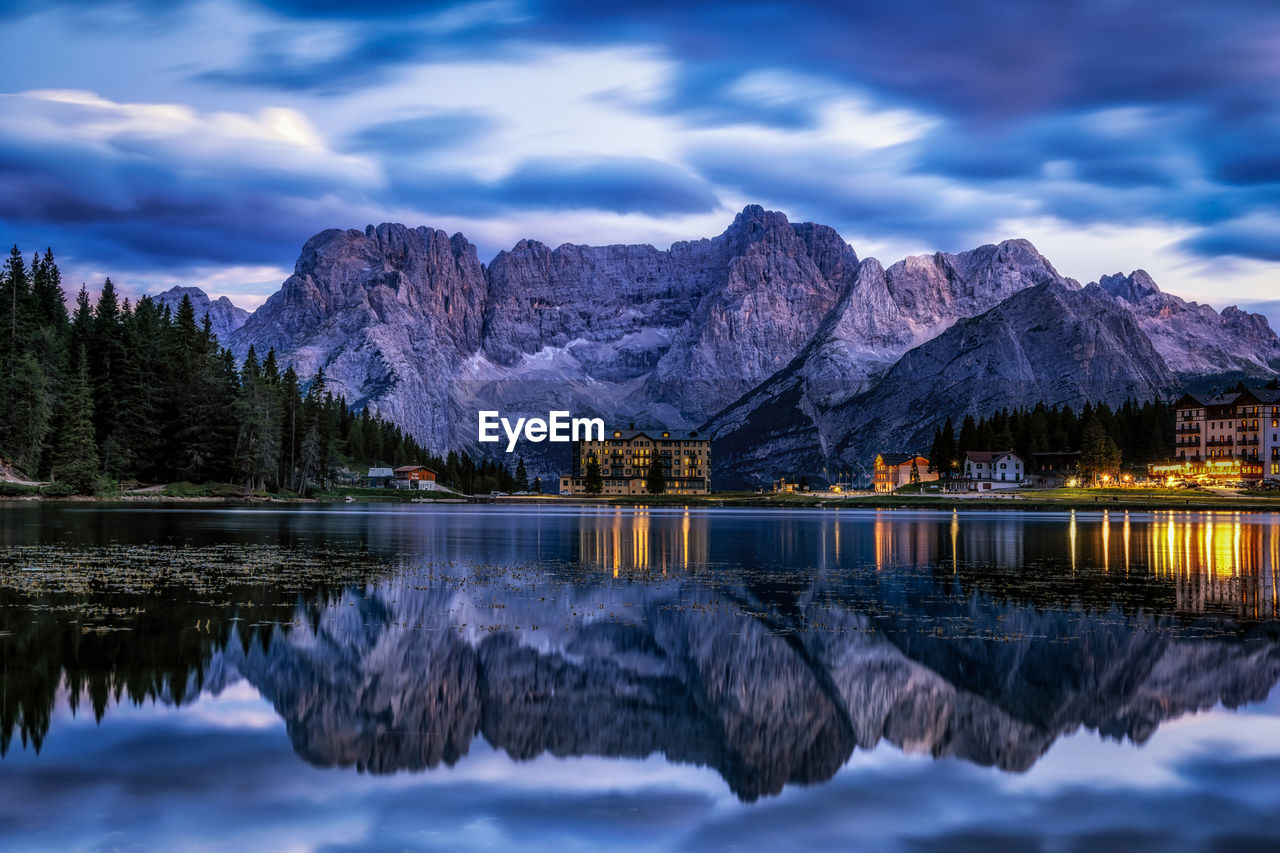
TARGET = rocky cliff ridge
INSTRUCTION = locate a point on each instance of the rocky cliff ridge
(764, 335)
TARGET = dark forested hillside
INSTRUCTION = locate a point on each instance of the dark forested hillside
(1141, 432)
(118, 391)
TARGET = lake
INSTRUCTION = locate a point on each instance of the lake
(481, 677)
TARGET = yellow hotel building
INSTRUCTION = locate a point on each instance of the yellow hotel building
(625, 455)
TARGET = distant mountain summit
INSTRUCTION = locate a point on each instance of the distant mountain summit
(224, 317)
(775, 336)
(1195, 339)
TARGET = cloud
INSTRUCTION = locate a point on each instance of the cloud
(1255, 236)
(855, 192)
(618, 185)
(423, 134)
(986, 58)
(614, 185)
(917, 123)
(124, 189)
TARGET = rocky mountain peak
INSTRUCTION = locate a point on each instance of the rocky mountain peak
(755, 225)
(224, 317)
(1134, 287)
(1194, 339)
(766, 333)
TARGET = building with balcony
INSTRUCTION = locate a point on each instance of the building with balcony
(893, 470)
(1228, 437)
(625, 455)
(414, 477)
(985, 470)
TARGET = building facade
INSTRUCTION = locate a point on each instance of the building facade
(414, 477)
(893, 470)
(985, 470)
(1053, 468)
(624, 457)
(1226, 437)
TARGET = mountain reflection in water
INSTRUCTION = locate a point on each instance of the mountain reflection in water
(767, 646)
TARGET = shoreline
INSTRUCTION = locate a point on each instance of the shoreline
(1014, 503)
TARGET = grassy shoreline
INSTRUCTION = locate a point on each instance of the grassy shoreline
(1138, 499)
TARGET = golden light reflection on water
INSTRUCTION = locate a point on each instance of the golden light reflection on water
(1225, 562)
(1215, 562)
(627, 541)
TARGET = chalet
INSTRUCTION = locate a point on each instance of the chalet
(1054, 468)
(379, 478)
(414, 477)
(985, 470)
(893, 470)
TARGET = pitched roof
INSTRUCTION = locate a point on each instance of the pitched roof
(1231, 398)
(405, 469)
(987, 455)
(657, 434)
(901, 458)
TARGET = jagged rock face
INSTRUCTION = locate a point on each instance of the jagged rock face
(224, 318)
(381, 699)
(754, 319)
(1051, 343)
(764, 337)
(1192, 338)
(793, 418)
(408, 322)
(389, 313)
(692, 327)
(933, 291)
(393, 686)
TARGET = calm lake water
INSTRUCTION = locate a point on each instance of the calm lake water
(425, 677)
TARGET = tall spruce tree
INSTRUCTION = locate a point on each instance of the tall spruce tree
(76, 462)
(592, 481)
(655, 483)
(1099, 455)
(31, 414)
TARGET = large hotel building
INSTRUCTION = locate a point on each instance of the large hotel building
(1232, 436)
(625, 455)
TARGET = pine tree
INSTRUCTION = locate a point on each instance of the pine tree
(522, 476)
(31, 414)
(942, 454)
(77, 460)
(1099, 455)
(311, 456)
(655, 483)
(592, 482)
(106, 357)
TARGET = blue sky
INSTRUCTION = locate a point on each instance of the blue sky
(202, 142)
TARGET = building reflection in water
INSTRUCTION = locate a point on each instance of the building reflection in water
(1222, 562)
(644, 540)
(1226, 563)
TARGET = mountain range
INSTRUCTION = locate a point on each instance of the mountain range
(384, 679)
(774, 337)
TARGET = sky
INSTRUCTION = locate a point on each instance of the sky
(171, 142)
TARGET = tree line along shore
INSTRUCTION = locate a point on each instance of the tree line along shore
(118, 392)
